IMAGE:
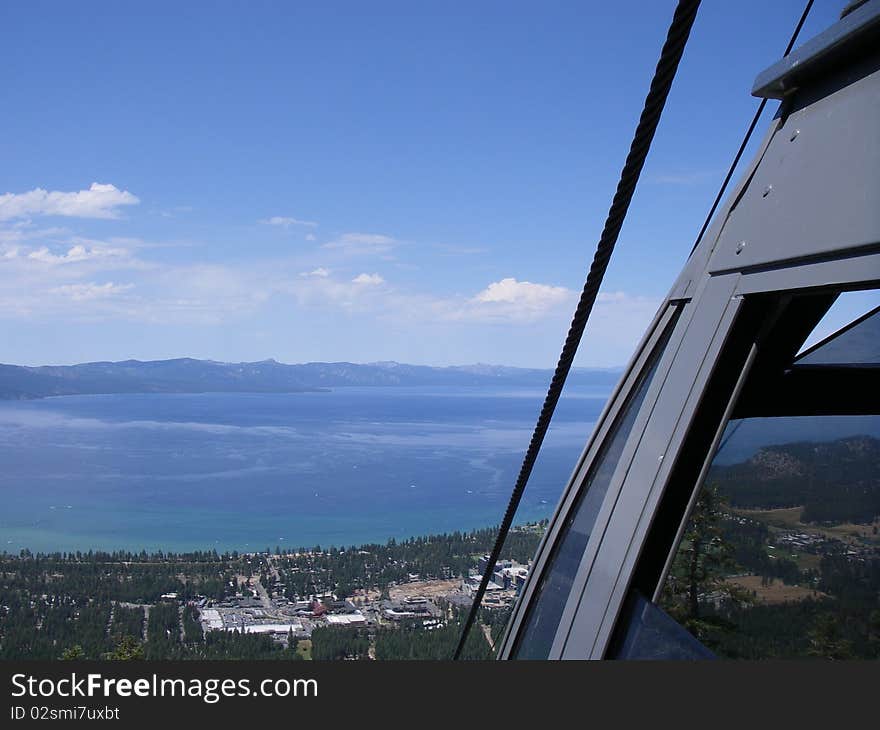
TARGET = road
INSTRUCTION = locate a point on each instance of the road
(264, 595)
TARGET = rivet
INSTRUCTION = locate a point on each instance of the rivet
(794, 134)
(766, 191)
(739, 247)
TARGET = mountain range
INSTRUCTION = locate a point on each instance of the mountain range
(834, 481)
(188, 375)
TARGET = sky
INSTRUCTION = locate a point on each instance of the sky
(421, 182)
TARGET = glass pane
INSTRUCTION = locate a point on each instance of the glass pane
(652, 634)
(848, 307)
(781, 557)
(856, 344)
(552, 593)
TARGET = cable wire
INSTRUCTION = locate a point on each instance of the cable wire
(667, 65)
(742, 147)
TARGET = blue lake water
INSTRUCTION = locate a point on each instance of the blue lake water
(250, 471)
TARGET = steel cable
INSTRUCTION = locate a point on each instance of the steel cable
(667, 65)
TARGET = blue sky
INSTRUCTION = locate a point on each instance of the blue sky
(421, 182)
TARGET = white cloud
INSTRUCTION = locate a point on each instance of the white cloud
(617, 317)
(511, 291)
(362, 243)
(504, 302)
(368, 279)
(320, 272)
(91, 291)
(43, 280)
(99, 201)
(76, 254)
(24, 266)
(286, 222)
(363, 293)
(311, 237)
(25, 230)
(72, 283)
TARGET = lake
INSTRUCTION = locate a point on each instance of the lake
(250, 471)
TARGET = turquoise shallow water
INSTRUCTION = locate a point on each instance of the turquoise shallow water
(250, 471)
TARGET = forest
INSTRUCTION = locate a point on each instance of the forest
(342, 570)
(803, 517)
(798, 474)
(109, 605)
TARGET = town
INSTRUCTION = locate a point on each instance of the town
(428, 602)
(398, 600)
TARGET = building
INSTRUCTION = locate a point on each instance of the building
(346, 619)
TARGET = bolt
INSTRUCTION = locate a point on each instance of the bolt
(794, 134)
(766, 191)
(739, 247)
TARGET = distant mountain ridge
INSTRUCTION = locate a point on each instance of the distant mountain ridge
(834, 481)
(188, 375)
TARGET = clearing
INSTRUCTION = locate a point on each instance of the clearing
(776, 591)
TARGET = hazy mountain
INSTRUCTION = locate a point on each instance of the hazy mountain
(834, 481)
(186, 375)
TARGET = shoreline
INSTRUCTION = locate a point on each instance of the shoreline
(124, 555)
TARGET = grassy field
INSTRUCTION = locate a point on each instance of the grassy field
(774, 592)
(789, 518)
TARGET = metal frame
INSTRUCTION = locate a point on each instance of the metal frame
(639, 489)
(805, 217)
(603, 426)
(860, 25)
(632, 521)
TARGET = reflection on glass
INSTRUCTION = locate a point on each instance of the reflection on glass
(653, 634)
(856, 344)
(781, 556)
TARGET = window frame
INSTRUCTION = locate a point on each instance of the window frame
(602, 432)
(831, 276)
(634, 495)
(591, 477)
(710, 305)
